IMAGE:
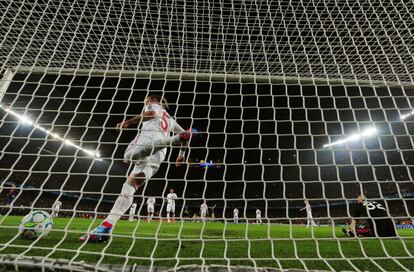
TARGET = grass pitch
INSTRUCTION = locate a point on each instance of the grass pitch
(184, 243)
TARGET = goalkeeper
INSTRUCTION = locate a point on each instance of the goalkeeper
(146, 151)
(379, 223)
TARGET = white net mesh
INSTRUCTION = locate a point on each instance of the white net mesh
(285, 96)
(362, 40)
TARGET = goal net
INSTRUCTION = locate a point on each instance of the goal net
(292, 102)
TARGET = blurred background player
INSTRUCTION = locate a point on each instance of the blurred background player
(146, 151)
(150, 208)
(171, 197)
(132, 212)
(212, 208)
(258, 216)
(11, 194)
(55, 208)
(377, 217)
(236, 216)
(203, 211)
(309, 216)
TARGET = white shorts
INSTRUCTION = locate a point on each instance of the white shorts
(149, 165)
(150, 209)
(171, 208)
(132, 213)
(203, 213)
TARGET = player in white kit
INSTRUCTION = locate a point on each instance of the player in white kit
(171, 197)
(150, 208)
(132, 212)
(236, 216)
(146, 151)
(309, 216)
(55, 209)
(258, 216)
(203, 211)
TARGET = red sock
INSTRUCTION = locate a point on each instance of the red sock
(106, 224)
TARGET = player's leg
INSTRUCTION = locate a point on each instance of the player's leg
(168, 212)
(152, 212)
(122, 204)
(173, 213)
(148, 147)
(56, 212)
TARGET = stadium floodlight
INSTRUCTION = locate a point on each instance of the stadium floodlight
(405, 116)
(27, 121)
(366, 133)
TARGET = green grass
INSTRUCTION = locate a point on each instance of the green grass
(159, 244)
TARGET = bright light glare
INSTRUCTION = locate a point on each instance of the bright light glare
(405, 116)
(369, 132)
(25, 120)
(366, 133)
(68, 142)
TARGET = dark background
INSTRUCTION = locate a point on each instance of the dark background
(267, 138)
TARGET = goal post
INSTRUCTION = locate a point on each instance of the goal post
(227, 77)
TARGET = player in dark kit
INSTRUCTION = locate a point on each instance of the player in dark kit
(379, 223)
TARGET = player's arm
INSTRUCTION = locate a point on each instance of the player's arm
(352, 226)
(145, 116)
(181, 155)
(356, 212)
(177, 129)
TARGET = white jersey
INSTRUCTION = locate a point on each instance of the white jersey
(57, 205)
(151, 201)
(258, 213)
(171, 197)
(159, 126)
(308, 210)
(203, 207)
(235, 212)
(133, 208)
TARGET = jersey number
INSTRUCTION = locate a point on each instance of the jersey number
(373, 205)
(164, 121)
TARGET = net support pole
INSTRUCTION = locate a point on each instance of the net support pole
(5, 82)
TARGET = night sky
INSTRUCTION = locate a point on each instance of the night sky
(268, 137)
